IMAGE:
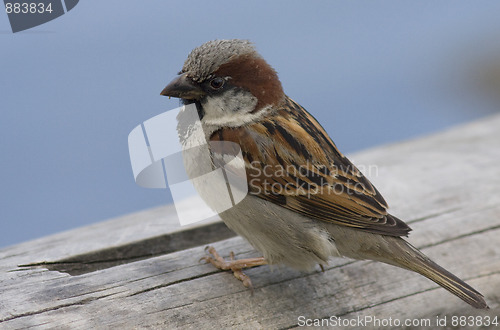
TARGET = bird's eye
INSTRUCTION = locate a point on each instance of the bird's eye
(216, 83)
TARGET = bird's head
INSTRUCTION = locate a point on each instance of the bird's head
(229, 81)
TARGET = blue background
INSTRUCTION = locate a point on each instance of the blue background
(372, 72)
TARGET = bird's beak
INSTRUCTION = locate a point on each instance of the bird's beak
(183, 87)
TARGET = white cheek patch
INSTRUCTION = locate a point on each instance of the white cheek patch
(232, 109)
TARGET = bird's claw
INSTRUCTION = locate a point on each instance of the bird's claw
(236, 266)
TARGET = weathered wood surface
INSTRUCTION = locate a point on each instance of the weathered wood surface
(143, 270)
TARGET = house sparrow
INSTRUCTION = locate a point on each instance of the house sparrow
(306, 201)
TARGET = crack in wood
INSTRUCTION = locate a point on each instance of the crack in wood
(145, 249)
(54, 308)
(477, 232)
(433, 215)
(187, 279)
(168, 309)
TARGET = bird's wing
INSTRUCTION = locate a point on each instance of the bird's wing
(291, 161)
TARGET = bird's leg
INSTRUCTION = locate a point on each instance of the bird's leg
(236, 266)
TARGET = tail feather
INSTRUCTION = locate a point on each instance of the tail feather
(396, 251)
(450, 282)
(412, 259)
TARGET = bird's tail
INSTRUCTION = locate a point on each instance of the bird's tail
(404, 255)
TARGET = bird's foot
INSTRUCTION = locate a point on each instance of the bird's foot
(236, 266)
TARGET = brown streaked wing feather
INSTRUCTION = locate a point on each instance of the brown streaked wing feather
(292, 162)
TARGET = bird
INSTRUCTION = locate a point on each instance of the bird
(306, 201)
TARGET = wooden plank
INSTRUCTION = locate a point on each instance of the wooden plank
(445, 186)
(125, 239)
